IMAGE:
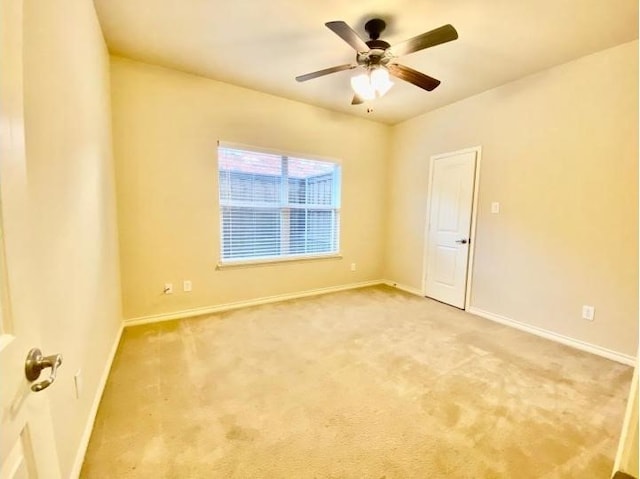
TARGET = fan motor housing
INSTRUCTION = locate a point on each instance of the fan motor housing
(378, 53)
(375, 56)
(377, 44)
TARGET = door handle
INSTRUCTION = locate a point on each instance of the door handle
(462, 241)
(34, 365)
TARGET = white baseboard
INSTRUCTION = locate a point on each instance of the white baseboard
(553, 336)
(243, 304)
(403, 287)
(86, 435)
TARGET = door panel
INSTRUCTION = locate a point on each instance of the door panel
(27, 446)
(448, 238)
(15, 465)
(19, 463)
(444, 271)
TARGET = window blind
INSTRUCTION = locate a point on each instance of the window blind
(276, 206)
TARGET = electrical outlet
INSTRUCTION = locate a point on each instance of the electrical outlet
(588, 312)
(186, 286)
(353, 266)
(168, 288)
(495, 207)
(77, 382)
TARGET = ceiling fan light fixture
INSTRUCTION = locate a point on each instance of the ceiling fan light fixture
(362, 86)
(377, 57)
(373, 82)
(380, 80)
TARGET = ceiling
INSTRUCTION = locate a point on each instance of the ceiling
(265, 44)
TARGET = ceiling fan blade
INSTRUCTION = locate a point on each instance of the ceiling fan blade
(347, 33)
(357, 100)
(413, 76)
(326, 71)
(443, 34)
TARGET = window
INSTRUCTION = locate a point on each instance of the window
(277, 207)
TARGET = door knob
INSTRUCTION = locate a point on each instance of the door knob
(34, 365)
(462, 241)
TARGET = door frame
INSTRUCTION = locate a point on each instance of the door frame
(474, 213)
(627, 452)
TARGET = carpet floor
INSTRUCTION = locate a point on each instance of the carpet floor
(369, 383)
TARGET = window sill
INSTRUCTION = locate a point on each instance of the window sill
(274, 261)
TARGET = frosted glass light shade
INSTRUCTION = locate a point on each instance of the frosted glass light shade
(367, 85)
(380, 81)
(361, 84)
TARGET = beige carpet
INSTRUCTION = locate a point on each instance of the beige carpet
(371, 383)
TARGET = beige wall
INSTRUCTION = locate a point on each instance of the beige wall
(166, 125)
(75, 286)
(560, 153)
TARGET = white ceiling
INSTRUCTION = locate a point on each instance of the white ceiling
(265, 44)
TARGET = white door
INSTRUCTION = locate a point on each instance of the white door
(449, 226)
(27, 447)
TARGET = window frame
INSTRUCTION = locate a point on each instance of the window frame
(283, 207)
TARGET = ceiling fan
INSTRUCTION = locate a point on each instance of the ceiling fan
(377, 57)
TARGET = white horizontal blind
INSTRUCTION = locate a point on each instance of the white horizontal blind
(275, 206)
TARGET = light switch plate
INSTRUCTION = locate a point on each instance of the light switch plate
(588, 312)
(495, 207)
